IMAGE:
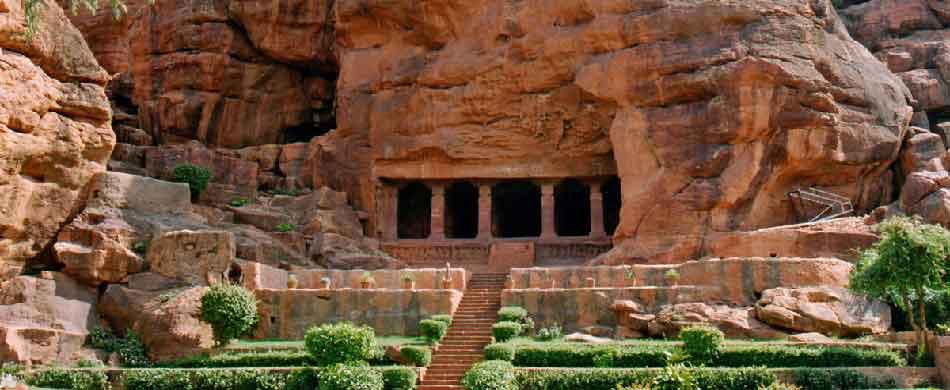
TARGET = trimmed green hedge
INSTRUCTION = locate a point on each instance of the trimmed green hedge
(839, 379)
(70, 379)
(608, 379)
(418, 356)
(394, 378)
(261, 359)
(573, 355)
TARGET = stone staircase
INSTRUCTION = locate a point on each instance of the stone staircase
(469, 334)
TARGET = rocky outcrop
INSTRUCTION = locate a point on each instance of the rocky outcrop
(826, 310)
(45, 320)
(55, 131)
(168, 323)
(735, 322)
(709, 122)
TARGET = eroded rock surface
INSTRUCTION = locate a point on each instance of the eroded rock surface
(826, 310)
(55, 130)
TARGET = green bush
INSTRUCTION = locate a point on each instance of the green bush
(500, 352)
(701, 343)
(130, 349)
(231, 311)
(239, 202)
(447, 319)
(839, 379)
(197, 178)
(609, 379)
(490, 375)
(285, 227)
(70, 379)
(506, 330)
(580, 355)
(418, 356)
(399, 378)
(512, 313)
(675, 377)
(433, 330)
(340, 343)
(350, 376)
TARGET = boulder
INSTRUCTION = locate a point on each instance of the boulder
(196, 257)
(166, 321)
(55, 130)
(45, 320)
(586, 339)
(811, 338)
(826, 310)
(735, 322)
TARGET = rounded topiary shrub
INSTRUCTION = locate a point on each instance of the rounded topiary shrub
(504, 352)
(197, 178)
(701, 343)
(231, 311)
(433, 330)
(512, 313)
(506, 330)
(340, 343)
(447, 319)
(490, 375)
(418, 356)
(349, 376)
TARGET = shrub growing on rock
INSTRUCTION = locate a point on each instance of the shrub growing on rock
(433, 330)
(197, 178)
(490, 375)
(349, 376)
(506, 330)
(340, 343)
(701, 343)
(231, 311)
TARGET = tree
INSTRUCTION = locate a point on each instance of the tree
(909, 261)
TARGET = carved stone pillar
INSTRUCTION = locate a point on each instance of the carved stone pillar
(484, 212)
(547, 211)
(596, 213)
(437, 225)
(388, 214)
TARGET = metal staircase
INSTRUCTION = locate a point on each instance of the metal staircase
(813, 205)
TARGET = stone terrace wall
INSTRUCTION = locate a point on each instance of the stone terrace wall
(287, 314)
(260, 276)
(559, 295)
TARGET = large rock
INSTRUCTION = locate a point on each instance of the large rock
(197, 257)
(711, 111)
(735, 322)
(44, 321)
(122, 215)
(55, 131)
(167, 322)
(830, 311)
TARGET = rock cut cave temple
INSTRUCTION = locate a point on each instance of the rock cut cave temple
(492, 225)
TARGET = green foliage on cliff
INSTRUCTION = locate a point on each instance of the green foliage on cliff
(33, 10)
(197, 178)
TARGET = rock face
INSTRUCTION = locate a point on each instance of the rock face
(55, 130)
(196, 257)
(43, 321)
(710, 122)
(825, 310)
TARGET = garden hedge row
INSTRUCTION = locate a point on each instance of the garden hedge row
(394, 378)
(259, 359)
(572, 355)
(709, 378)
